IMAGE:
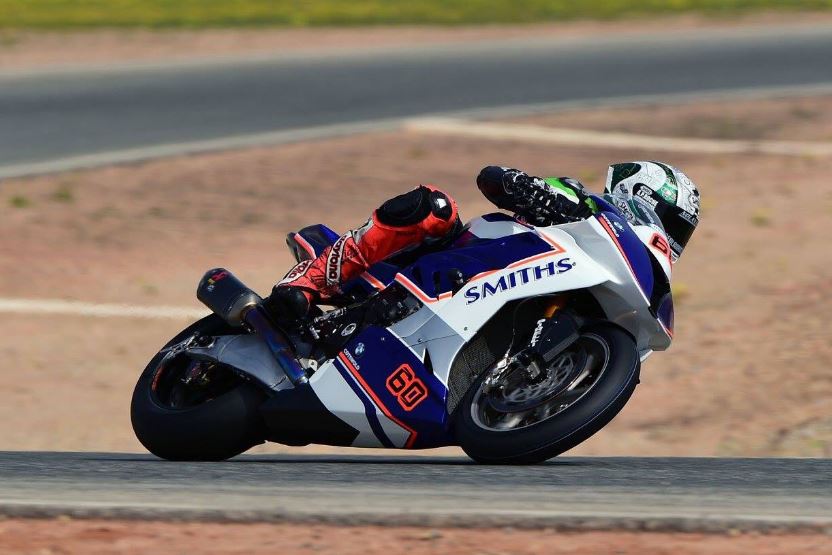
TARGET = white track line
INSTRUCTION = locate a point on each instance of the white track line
(501, 131)
(78, 308)
(211, 145)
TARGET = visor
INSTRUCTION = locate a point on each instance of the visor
(678, 225)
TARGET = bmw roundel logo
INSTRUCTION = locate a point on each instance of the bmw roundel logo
(359, 349)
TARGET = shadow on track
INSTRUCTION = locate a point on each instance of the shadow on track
(334, 459)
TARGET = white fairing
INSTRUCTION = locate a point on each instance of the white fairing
(340, 399)
(645, 233)
(583, 256)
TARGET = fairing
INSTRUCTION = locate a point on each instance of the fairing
(391, 385)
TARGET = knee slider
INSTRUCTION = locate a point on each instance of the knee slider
(407, 209)
(414, 207)
(441, 205)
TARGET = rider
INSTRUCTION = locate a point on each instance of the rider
(646, 193)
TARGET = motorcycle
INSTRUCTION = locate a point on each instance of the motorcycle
(514, 342)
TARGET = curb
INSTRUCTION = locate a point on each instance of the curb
(714, 524)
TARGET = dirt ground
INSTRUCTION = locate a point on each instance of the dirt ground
(41, 49)
(748, 374)
(47, 537)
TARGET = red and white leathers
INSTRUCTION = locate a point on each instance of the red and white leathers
(420, 216)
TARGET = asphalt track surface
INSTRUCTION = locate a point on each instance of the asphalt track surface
(566, 493)
(57, 115)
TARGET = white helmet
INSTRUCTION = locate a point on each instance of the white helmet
(658, 195)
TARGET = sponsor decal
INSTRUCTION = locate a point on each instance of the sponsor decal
(351, 359)
(676, 246)
(646, 194)
(517, 278)
(624, 208)
(693, 200)
(408, 389)
(333, 261)
(609, 224)
(359, 349)
(668, 192)
(296, 272)
(212, 281)
(690, 218)
(538, 329)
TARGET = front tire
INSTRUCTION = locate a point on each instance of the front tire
(204, 422)
(489, 432)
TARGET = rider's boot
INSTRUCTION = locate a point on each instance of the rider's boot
(288, 305)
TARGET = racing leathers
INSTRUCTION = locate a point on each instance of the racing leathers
(423, 216)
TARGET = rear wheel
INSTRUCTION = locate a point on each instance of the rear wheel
(184, 409)
(527, 412)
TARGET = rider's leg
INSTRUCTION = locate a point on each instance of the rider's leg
(422, 215)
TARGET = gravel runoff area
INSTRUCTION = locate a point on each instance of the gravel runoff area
(27, 50)
(747, 374)
(91, 537)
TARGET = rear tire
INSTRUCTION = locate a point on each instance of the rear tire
(214, 430)
(564, 430)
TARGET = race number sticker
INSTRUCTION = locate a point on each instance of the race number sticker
(408, 390)
(659, 243)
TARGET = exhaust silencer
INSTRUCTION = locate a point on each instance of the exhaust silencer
(228, 297)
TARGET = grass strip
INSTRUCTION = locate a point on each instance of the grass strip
(69, 14)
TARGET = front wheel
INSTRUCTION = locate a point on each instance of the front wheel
(527, 413)
(184, 409)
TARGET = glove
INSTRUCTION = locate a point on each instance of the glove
(496, 183)
(531, 197)
(543, 205)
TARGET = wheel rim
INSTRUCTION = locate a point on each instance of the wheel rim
(181, 382)
(513, 398)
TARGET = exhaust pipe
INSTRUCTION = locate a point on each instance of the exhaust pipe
(238, 305)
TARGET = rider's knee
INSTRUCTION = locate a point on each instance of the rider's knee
(426, 207)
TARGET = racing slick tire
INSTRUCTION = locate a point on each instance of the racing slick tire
(487, 436)
(214, 426)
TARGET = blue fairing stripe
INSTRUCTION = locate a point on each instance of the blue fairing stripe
(378, 402)
(369, 407)
(608, 228)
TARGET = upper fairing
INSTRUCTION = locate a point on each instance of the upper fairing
(621, 294)
(492, 226)
(603, 254)
(502, 260)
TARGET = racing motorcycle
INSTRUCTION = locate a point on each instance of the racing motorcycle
(513, 342)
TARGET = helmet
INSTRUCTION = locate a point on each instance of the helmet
(658, 195)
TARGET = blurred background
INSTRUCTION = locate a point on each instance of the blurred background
(143, 142)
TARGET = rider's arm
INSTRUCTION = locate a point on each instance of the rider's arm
(539, 201)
